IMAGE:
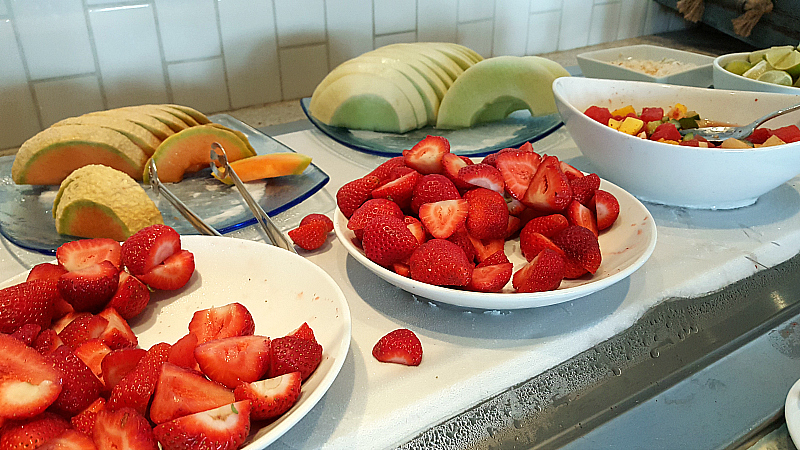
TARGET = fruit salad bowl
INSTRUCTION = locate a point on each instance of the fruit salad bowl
(692, 177)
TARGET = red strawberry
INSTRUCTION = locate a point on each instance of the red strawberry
(515, 207)
(27, 333)
(84, 327)
(547, 226)
(83, 253)
(492, 158)
(136, 387)
(318, 218)
(532, 243)
(400, 346)
(518, 169)
(149, 247)
(222, 428)
(488, 214)
(293, 354)
(580, 215)
(485, 248)
(182, 391)
(440, 262)
(118, 333)
(131, 297)
(581, 246)
(70, 440)
(182, 352)
(271, 397)
(543, 273)
(498, 257)
(433, 188)
(549, 190)
(123, 428)
(61, 323)
(513, 226)
(370, 209)
(45, 271)
(483, 175)
(461, 238)
(27, 302)
(172, 274)
(32, 433)
(89, 288)
(426, 156)
(451, 165)
(416, 228)
(571, 172)
(399, 190)
(84, 420)
(304, 332)
(119, 363)
(92, 353)
(387, 239)
(583, 188)
(401, 269)
(80, 387)
(234, 360)
(350, 196)
(606, 207)
(219, 322)
(384, 170)
(47, 341)
(310, 236)
(490, 278)
(441, 219)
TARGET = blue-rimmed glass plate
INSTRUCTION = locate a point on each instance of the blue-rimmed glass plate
(26, 212)
(515, 130)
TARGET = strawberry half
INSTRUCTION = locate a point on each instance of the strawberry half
(234, 360)
(119, 363)
(580, 215)
(220, 322)
(181, 392)
(70, 439)
(76, 255)
(549, 190)
(131, 297)
(136, 388)
(118, 333)
(84, 327)
(222, 428)
(488, 214)
(606, 207)
(490, 278)
(581, 246)
(293, 354)
(433, 188)
(399, 190)
(32, 433)
(371, 209)
(182, 352)
(28, 382)
(440, 262)
(92, 353)
(518, 169)
(583, 188)
(483, 175)
(304, 331)
(80, 387)
(451, 165)
(84, 420)
(400, 346)
(426, 156)
(310, 236)
(543, 273)
(89, 288)
(441, 219)
(547, 225)
(271, 397)
(171, 274)
(29, 302)
(46, 271)
(354, 193)
(387, 240)
(149, 247)
(124, 428)
(383, 171)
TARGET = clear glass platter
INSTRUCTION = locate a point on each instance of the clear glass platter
(515, 130)
(26, 212)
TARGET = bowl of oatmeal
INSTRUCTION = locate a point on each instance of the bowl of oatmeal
(648, 63)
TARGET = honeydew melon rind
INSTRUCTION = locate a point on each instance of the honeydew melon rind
(168, 119)
(495, 87)
(364, 102)
(146, 140)
(553, 67)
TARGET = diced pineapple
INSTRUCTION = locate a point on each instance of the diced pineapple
(631, 125)
(772, 140)
(733, 143)
(624, 111)
(614, 123)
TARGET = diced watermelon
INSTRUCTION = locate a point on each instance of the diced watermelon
(599, 114)
(651, 114)
(787, 134)
(759, 135)
(666, 131)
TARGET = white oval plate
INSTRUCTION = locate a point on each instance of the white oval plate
(792, 412)
(625, 247)
(280, 289)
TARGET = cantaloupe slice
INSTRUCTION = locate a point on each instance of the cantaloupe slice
(151, 124)
(494, 88)
(238, 133)
(146, 140)
(189, 150)
(180, 114)
(98, 201)
(447, 64)
(170, 120)
(199, 117)
(52, 154)
(271, 165)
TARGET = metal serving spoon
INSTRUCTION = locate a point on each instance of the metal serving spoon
(221, 168)
(159, 188)
(722, 133)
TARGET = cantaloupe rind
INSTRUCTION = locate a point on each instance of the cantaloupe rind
(140, 136)
(150, 123)
(170, 120)
(199, 117)
(180, 114)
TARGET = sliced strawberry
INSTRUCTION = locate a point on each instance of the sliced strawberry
(182, 352)
(498, 257)
(580, 215)
(401, 269)
(490, 278)
(513, 226)
(543, 273)
(416, 228)
(606, 206)
(571, 172)
(310, 236)
(271, 397)
(441, 219)
(304, 331)
(131, 297)
(532, 243)
(83, 253)
(92, 353)
(426, 156)
(123, 428)
(118, 333)
(84, 420)
(581, 246)
(485, 248)
(219, 322)
(27, 302)
(47, 341)
(89, 288)
(387, 240)
(433, 188)
(400, 346)
(234, 360)
(487, 214)
(399, 190)
(371, 209)
(136, 388)
(462, 238)
(451, 165)
(171, 274)
(352, 194)
(440, 262)
(149, 247)
(518, 169)
(549, 190)
(583, 188)
(292, 354)
(27, 333)
(62, 323)
(483, 175)
(222, 428)
(182, 391)
(70, 440)
(80, 387)
(46, 271)
(318, 218)
(84, 327)
(32, 433)
(119, 363)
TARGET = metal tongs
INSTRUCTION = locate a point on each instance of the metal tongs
(722, 133)
(159, 188)
(221, 168)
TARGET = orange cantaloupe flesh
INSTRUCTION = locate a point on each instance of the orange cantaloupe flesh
(189, 150)
(269, 166)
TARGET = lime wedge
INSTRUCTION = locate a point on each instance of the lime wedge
(738, 67)
(776, 77)
(757, 70)
(756, 56)
(789, 63)
(775, 54)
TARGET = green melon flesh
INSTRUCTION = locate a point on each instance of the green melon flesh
(494, 88)
(411, 56)
(52, 154)
(553, 67)
(146, 140)
(447, 64)
(463, 60)
(429, 78)
(189, 150)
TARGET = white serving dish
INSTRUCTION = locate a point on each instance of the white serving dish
(707, 178)
(598, 64)
(728, 80)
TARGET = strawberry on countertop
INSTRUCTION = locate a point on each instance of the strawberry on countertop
(400, 346)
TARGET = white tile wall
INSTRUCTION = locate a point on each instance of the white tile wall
(66, 57)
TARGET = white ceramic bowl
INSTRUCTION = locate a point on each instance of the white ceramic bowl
(728, 80)
(598, 64)
(708, 178)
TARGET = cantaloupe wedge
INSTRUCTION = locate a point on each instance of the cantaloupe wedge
(150, 123)
(271, 165)
(98, 201)
(190, 150)
(196, 115)
(154, 111)
(146, 140)
(180, 114)
(52, 154)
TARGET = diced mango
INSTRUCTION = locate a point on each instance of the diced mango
(614, 123)
(772, 140)
(624, 111)
(733, 143)
(631, 125)
(677, 112)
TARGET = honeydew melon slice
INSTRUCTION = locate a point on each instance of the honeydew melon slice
(472, 53)
(199, 117)
(364, 102)
(494, 88)
(447, 64)
(153, 125)
(462, 59)
(553, 67)
(189, 150)
(416, 58)
(384, 71)
(170, 120)
(98, 201)
(146, 140)
(52, 154)
(433, 80)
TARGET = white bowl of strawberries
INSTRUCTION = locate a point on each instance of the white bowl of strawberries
(515, 230)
